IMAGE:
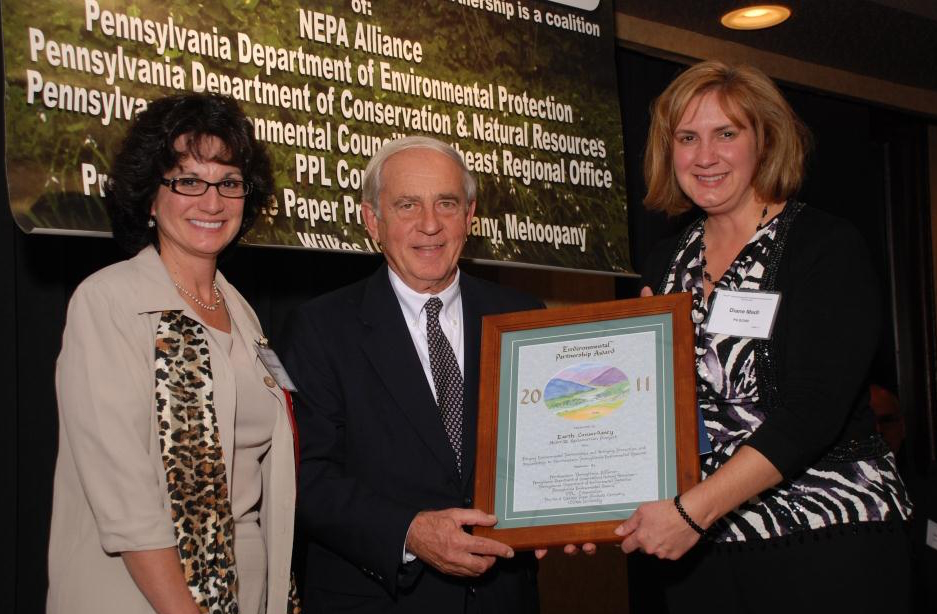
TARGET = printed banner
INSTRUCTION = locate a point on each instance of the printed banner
(525, 90)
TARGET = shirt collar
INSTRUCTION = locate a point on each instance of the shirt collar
(412, 302)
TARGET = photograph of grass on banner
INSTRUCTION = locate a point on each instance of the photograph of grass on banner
(525, 90)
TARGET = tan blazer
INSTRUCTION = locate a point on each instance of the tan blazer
(110, 486)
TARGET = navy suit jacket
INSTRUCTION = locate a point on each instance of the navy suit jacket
(374, 453)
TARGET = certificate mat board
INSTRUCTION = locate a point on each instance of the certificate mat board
(584, 413)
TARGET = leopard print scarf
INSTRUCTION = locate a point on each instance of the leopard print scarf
(194, 463)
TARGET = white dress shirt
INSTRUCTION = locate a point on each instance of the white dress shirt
(413, 304)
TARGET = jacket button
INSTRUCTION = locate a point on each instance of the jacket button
(467, 502)
(269, 381)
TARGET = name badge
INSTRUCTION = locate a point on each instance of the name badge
(704, 446)
(274, 366)
(743, 313)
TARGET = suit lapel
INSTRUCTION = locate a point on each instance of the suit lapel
(471, 344)
(389, 347)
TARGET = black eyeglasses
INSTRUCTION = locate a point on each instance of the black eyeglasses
(191, 186)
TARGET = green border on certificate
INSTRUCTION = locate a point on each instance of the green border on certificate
(660, 326)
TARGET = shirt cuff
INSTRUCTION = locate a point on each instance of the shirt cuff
(408, 557)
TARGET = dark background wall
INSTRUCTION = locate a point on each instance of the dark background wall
(869, 165)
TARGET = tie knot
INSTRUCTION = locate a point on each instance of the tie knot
(433, 307)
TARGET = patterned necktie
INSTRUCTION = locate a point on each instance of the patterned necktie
(446, 377)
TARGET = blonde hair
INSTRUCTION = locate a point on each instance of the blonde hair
(781, 139)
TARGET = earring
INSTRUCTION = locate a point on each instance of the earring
(151, 223)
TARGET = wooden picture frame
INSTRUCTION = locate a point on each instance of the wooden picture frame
(567, 461)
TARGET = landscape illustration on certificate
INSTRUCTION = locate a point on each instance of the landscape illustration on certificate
(586, 391)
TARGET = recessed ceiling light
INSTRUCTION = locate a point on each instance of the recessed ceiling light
(756, 17)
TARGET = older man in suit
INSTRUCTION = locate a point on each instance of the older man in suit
(387, 371)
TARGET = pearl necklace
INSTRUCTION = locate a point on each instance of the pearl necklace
(214, 287)
(702, 251)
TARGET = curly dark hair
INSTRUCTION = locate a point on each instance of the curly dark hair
(148, 152)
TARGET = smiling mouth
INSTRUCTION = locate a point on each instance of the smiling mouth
(206, 225)
(711, 178)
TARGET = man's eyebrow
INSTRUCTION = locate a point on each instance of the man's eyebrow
(416, 198)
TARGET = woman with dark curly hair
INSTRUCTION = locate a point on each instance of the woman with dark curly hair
(175, 479)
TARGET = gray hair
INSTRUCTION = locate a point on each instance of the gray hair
(371, 184)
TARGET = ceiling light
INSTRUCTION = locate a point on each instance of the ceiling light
(756, 17)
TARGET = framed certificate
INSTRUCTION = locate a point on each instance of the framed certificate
(584, 413)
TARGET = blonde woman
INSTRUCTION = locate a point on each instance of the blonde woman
(800, 507)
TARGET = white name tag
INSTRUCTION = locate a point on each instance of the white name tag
(274, 366)
(743, 313)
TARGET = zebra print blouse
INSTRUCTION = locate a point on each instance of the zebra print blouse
(830, 493)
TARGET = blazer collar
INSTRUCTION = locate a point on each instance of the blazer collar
(153, 288)
(153, 291)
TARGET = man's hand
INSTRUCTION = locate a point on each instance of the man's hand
(437, 538)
